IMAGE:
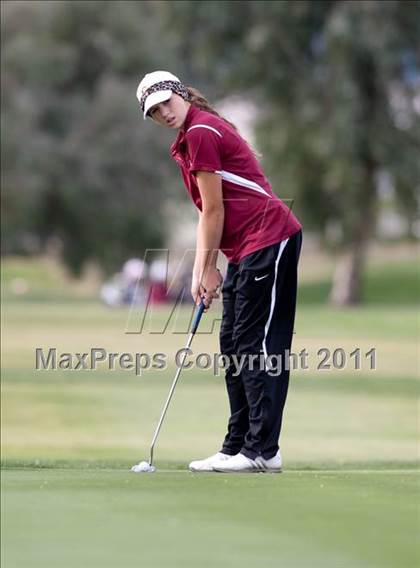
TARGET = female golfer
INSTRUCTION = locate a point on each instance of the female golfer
(240, 215)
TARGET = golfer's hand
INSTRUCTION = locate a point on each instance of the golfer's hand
(209, 285)
(195, 289)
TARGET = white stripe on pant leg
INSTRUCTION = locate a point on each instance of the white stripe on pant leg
(273, 296)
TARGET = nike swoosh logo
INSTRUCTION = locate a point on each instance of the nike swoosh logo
(260, 277)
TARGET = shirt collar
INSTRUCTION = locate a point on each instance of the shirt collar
(192, 112)
(180, 139)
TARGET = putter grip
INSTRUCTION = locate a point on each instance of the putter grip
(197, 316)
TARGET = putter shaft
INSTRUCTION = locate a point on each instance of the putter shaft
(168, 400)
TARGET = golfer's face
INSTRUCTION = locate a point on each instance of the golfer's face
(170, 113)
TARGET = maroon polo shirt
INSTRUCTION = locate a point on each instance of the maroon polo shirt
(254, 216)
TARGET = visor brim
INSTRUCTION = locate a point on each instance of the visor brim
(154, 99)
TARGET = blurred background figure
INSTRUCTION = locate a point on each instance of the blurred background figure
(158, 277)
(134, 281)
(128, 287)
(111, 293)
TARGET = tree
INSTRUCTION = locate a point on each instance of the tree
(80, 167)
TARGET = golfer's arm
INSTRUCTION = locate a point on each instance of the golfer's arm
(211, 220)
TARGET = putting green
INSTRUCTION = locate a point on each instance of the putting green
(88, 516)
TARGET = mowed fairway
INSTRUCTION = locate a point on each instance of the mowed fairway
(348, 496)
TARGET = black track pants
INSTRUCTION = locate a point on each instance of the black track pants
(259, 304)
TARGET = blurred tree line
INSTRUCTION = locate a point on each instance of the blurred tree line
(80, 168)
(336, 84)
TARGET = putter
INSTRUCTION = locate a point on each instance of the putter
(148, 467)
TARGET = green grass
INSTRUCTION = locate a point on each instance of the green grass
(398, 284)
(109, 517)
(348, 496)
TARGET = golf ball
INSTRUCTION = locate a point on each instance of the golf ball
(143, 467)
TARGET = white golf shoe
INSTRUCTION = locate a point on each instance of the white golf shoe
(242, 464)
(207, 464)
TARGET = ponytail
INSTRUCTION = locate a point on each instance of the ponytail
(198, 100)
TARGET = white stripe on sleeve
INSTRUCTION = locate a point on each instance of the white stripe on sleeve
(205, 126)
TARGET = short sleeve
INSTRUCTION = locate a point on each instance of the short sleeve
(204, 145)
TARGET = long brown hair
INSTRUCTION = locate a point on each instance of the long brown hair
(199, 100)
